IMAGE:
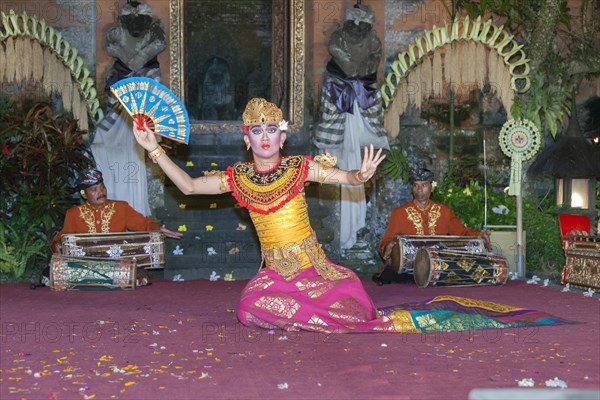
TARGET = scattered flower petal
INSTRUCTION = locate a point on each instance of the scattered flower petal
(209, 228)
(234, 250)
(182, 228)
(177, 251)
(189, 164)
(556, 383)
(526, 382)
(214, 164)
(229, 277)
(590, 293)
(177, 278)
(182, 205)
(213, 205)
(501, 210)
(567, 288)
(534, 280)
(214, 277)
(282, 386)
(211, 251)
(241, 227)
(546, 282)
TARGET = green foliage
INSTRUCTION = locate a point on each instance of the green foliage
(545, 105)
(518, 13)
(20, 249)
(559, 63)
(40, 153)
(468, 204)
(544, 250)
(396, 166)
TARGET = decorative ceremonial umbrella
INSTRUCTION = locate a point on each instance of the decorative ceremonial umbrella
(520, 140)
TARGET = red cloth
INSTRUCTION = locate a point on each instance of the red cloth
(436, 219)
(111, 216)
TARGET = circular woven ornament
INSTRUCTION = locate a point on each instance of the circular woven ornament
(520, 138)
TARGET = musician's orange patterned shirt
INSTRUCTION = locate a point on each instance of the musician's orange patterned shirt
(111, 216)
(435, 219)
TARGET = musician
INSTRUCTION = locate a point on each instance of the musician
(98, 214)
(422, 216)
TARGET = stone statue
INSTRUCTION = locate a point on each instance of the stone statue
(352, 109)
(217, 94)
(135, 41)
(351, 78)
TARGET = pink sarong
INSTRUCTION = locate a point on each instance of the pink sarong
(311, 302)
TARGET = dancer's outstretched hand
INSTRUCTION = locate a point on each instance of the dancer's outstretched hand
(145, 137)
(370, 162)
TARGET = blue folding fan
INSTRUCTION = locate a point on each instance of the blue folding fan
(147, 100)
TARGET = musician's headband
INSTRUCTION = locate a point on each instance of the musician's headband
(420, 174)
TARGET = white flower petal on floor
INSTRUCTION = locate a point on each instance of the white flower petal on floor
(526, 382)
(556, 383)
(214, 277)
(589, 293)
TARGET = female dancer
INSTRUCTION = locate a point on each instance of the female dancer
(299, 288)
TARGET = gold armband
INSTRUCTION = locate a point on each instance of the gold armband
(157, 152)
(223, 185)
(325, 161)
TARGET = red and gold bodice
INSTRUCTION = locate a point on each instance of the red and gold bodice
(277, 206)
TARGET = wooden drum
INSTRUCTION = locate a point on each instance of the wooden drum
(147, 248)
(458, 268)
(406, 247)
(78, 273)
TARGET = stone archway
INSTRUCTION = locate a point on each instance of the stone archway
(463, 53)
(33, 52)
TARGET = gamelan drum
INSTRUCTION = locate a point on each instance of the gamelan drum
(406, 247)
(458, 268)
(79, 273)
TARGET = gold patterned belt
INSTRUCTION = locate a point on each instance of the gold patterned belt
(288, 260)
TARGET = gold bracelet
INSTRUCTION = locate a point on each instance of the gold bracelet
(223, 184)
(326, 161)
(322, 173)
(358, 178)
(157, 152)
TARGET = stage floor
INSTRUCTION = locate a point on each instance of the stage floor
(181, 340)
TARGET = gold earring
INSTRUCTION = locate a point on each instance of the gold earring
(82, 192)
(247, 147)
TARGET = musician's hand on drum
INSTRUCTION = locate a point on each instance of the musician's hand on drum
(487, 240)
(387, 250)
